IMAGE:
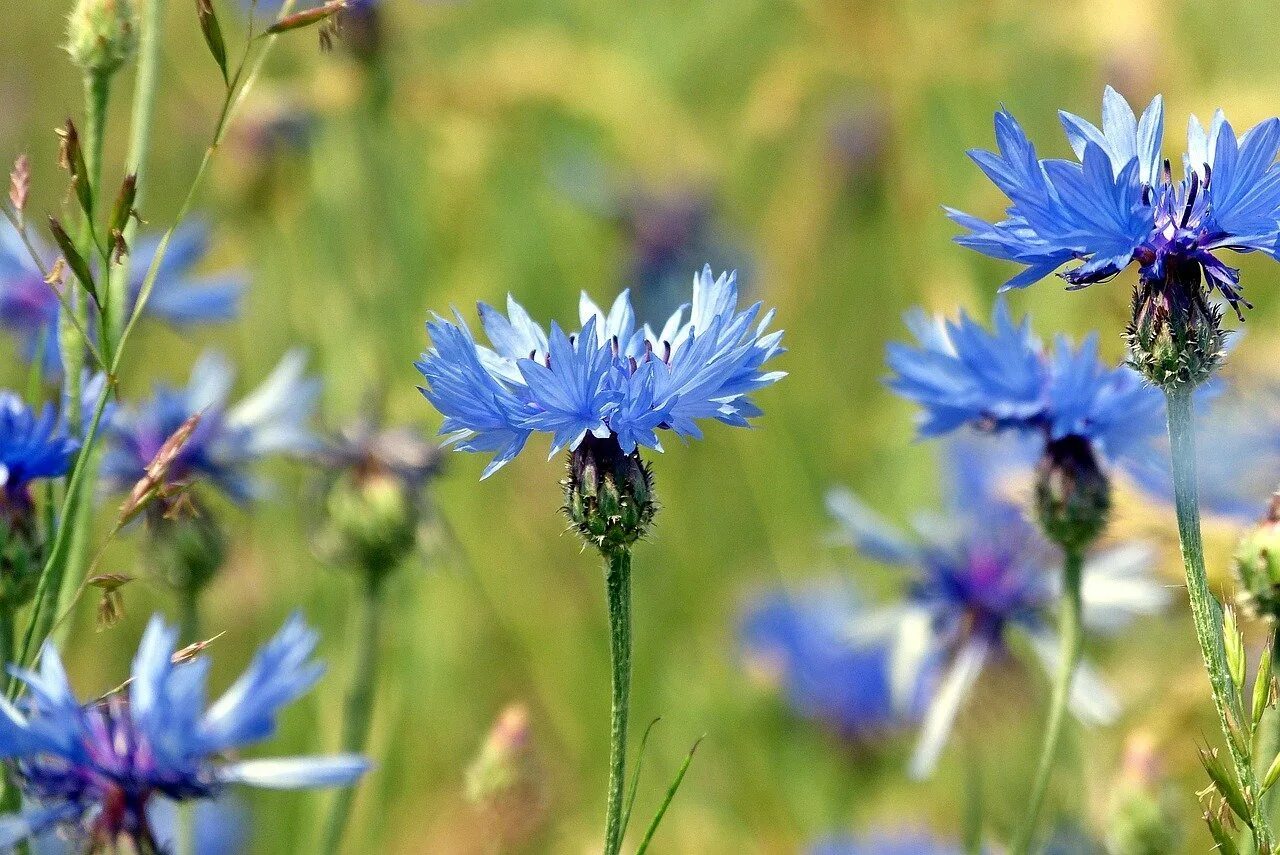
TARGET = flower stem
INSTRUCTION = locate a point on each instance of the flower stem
(618, 587)
(1205, 611)
(1071, 641)
(972, 828)
(359, 709)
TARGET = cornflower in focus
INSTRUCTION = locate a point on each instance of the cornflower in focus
(30, 308)
(980, 575)
(806, 644)
(92, 770)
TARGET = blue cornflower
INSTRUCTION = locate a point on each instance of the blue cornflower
(884, 843)
(229, 438)
(32, 446)
(179, 297)
(1003, 379)
(805, 643)
(1120, 202)
(612, 379)
(978, 576)
(93, 769)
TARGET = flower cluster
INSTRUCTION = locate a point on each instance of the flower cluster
(978, 576)
(1003, 379)
(180, 297)
(1120, 203)
(612, 379)
(228, 439)
(92, 769)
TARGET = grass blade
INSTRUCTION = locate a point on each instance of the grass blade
(666, 802)
(635, 776)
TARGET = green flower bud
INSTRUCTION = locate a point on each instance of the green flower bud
(1175, 337)
(190, 549)
(1144, 810)
(608, 494)
(1256, 565)
(1073, 496)
(373, 520)
(102, 35)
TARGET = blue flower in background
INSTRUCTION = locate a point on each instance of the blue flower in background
(978, 575)
(180, 297)
(806, 644)
(1003, 379)
(220, 824)
(614, 378)
(884, 843)
(92, 770)
(1119, 204)
(32, 446)
(229, 439)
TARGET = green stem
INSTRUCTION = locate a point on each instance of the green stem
(1071, 640)
(618, 587)
(144, 103)
(359, 709)
(1205, 611)
(972, 837)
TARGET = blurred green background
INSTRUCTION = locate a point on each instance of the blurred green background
(541, 147)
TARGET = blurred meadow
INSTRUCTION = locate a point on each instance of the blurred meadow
(473, 148)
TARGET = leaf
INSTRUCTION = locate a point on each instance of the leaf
(213, 36)
(635, 776)
(666, 802)
(73, 258)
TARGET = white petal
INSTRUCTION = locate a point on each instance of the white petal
(1117, 587)
(287, 773)
(941, 717)
(1091, 700)
(911, 646)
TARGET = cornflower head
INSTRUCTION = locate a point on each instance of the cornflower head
(1079, 411)
(602, 392)
(94, 769)
(1119, 204)
(229, 439)
(979, 576)
(180, 297)
(807, 644)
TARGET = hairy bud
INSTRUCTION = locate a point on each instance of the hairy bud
(1073, 496)
(608, 494)
(1175, 337)
(373, 520)
(1256, 565)
(102, 35)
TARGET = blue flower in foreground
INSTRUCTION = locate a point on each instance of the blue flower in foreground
(1003, 379)
(805, 643)
(1120, 204)
(884, 843)
(229, 438)
(93, 769)
(612, 378)
(32, 446)
(979, 575)
(179, 297)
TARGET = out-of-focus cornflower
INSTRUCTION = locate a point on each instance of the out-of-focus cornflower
(857, 135)
(979, 575)
(180, 297)
(1120, 203)
(93, 769)
(612, 381)
(229, 438)
(32, 446)
(884, 843)
(805, 644)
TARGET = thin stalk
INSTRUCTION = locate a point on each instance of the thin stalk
(11, 801)
(972, 838)
(1205, 611)
(618, 588)
(1269, 740)
(145, 87)
(1071, 641)
(359, 709)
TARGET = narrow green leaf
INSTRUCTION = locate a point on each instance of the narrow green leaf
(635, 776)
(213, 36)
(73, 258)
(666, 802)
(1262, 686)
(1273, 772)
(1226, 785)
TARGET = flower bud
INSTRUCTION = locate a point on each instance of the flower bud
(506, 784)
(21, 550)
(190, 548)
(1144, 810)
(608, 494)
(373, 520)
(1175, 337)
(1073, 496)
(102, 35)
(1256, 565)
